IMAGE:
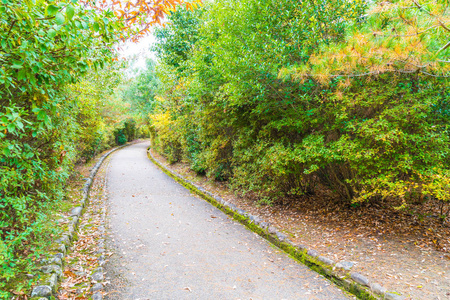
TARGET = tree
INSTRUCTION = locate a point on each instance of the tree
(282, 97)
(403, 36)
(46, 48)
(139, 16)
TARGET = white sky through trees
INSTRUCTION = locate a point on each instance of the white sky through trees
(138, 53)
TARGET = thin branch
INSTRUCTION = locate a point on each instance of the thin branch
(443, 48)
(443, 25)
(10, 28)
(405, 35)
(46, 18)
(440, 76)
(417, 4)
(376, 73)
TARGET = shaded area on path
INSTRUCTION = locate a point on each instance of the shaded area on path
(169, 244)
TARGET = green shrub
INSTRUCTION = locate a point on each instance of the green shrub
(126, 131)
(46, 48)
(237, 101)
(129, 129)
(121, 139)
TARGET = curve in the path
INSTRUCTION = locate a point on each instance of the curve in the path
(169, 244)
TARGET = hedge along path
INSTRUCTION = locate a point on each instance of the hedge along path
(339, 273)
(51, 270)
(169, 244)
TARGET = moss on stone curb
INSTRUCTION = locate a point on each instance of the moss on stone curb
(294, 252)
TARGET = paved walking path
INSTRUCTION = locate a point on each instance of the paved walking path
(170, 244)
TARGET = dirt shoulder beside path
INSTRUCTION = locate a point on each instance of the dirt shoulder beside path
(87, 254)
(392, 248)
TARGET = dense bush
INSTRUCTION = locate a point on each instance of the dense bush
(58, 75)
(47, 121)
(97, 111)
(126, 131)
(253, 94)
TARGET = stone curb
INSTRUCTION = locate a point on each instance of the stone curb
(339, 272)
(53, 267)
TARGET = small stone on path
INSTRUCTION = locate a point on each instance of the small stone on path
(346, 265)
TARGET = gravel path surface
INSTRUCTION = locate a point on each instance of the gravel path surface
(169, 244)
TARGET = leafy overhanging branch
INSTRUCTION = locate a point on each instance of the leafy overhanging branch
(399, 37)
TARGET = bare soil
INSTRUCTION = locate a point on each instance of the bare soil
(404, 251)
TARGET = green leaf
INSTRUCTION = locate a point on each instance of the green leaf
(51, 9)
(60, 19)
(51, 33)
(47, 120)
(11, 127)
(70, 12)
(41, 115)
(6, 151)
(96, 26)
(17, 65)
(21, 74)
(20, 125)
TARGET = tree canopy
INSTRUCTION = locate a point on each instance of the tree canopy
(59, 70)
(283, 98)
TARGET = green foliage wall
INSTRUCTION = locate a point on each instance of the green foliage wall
(227, 107)
(46, 118)
(139, 93)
